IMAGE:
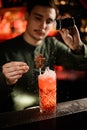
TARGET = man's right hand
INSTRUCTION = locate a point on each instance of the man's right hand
(14, 71)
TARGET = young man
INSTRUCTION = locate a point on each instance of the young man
(18, 75)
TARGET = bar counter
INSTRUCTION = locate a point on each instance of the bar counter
(69, 115)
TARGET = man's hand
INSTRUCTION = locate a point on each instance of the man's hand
(13, 71)
(71, 38)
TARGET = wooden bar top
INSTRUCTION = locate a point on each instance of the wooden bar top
(30, 115)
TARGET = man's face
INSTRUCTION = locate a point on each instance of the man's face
(40, 21)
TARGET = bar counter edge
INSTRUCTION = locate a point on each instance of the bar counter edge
(33, 114)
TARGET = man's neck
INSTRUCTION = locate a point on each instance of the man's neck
(30, 40)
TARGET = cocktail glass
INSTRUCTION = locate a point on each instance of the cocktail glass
(47, 91)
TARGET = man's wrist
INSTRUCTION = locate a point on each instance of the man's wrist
(79, 51)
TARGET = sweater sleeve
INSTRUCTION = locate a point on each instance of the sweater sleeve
(70, 59)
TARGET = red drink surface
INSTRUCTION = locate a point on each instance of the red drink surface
(47, 93)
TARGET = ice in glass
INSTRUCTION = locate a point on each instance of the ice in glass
(47, 91)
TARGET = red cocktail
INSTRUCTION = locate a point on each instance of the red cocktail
(47, 91)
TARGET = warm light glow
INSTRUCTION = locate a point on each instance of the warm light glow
(86, 29)
(12, 22)
(24, 100)
(63, 74)
(62, 2)
(82, 30)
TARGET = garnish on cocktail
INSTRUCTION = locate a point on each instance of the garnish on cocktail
(39, 62)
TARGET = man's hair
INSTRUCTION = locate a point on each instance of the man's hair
(49, 3)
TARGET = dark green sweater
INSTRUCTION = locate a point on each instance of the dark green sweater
(24, 93)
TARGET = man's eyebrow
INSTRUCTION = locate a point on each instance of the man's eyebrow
(37, 14)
